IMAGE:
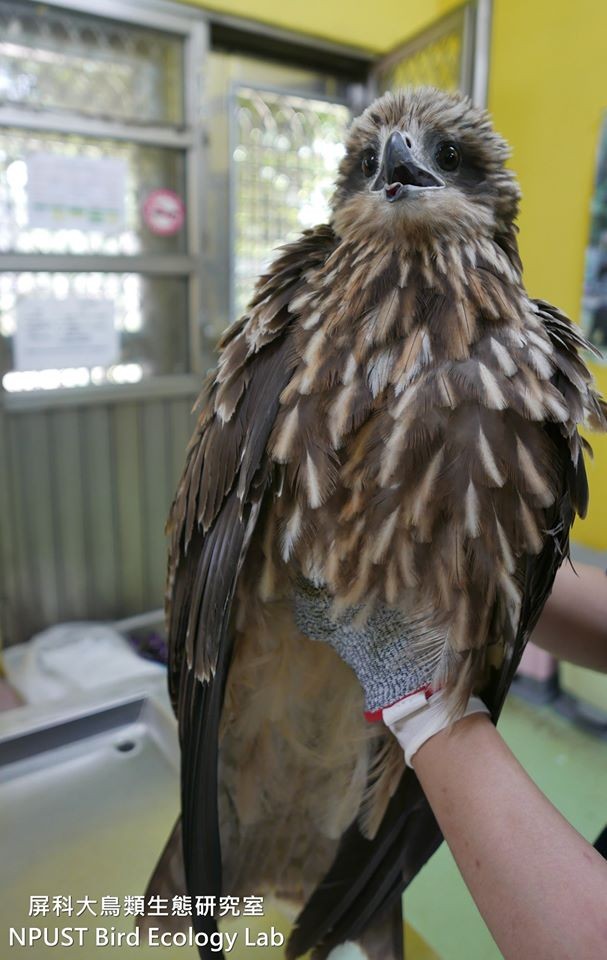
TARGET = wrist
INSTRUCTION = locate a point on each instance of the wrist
(416, 719)
(464, 732)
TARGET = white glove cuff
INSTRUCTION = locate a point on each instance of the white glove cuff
(415, 719)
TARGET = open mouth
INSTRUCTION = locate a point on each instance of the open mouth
(392, 190)
(401, 173)
(396, 191)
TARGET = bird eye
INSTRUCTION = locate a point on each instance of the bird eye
(369, 162)
(448, 157)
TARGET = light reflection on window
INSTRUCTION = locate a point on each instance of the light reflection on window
(23, 380)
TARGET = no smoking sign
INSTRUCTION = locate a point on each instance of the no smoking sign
(163, 212)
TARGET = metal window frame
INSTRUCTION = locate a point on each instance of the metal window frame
(477, 49)
(53, 121)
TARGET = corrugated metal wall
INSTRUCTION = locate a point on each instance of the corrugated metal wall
(88, 489)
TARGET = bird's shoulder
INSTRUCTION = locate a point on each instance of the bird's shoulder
(253, 355)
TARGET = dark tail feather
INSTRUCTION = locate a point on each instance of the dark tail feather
(167, 881)
(349, 897)
(201, 845)
(384, 937)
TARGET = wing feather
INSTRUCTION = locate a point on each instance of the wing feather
(227, 476)
(368, 875)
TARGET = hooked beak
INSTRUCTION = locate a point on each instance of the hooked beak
(400, 173)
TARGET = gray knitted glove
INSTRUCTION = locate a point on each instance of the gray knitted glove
(379, 652)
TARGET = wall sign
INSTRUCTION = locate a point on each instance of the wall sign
(164, 212)
(55, 334)
(76, 193)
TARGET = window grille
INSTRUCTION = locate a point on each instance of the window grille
(451, 54)
(436, 63)
(284, 160)
(56, 59)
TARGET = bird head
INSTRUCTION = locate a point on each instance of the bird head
(422, 165)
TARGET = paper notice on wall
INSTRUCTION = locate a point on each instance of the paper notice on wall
(76, 193)
(58, 334)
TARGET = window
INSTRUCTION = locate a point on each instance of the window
(98, 141)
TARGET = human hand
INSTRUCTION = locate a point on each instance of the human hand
(380, 650)
(384, 653)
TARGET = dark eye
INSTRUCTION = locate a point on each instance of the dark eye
(448, 157)
(369, 162)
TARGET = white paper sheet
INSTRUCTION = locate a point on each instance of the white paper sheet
(83, 193)
(55, 334)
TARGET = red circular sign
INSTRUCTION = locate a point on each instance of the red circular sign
(164, 212)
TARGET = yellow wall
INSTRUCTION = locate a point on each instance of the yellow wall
(548, 91)
(376, 26)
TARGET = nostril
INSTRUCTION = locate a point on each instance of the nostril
(408, 141)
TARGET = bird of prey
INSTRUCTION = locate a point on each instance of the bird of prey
(395, 422)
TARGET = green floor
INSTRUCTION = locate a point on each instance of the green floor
(570, 766)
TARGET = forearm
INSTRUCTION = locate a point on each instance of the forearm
(540, 887)
(573, 625)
